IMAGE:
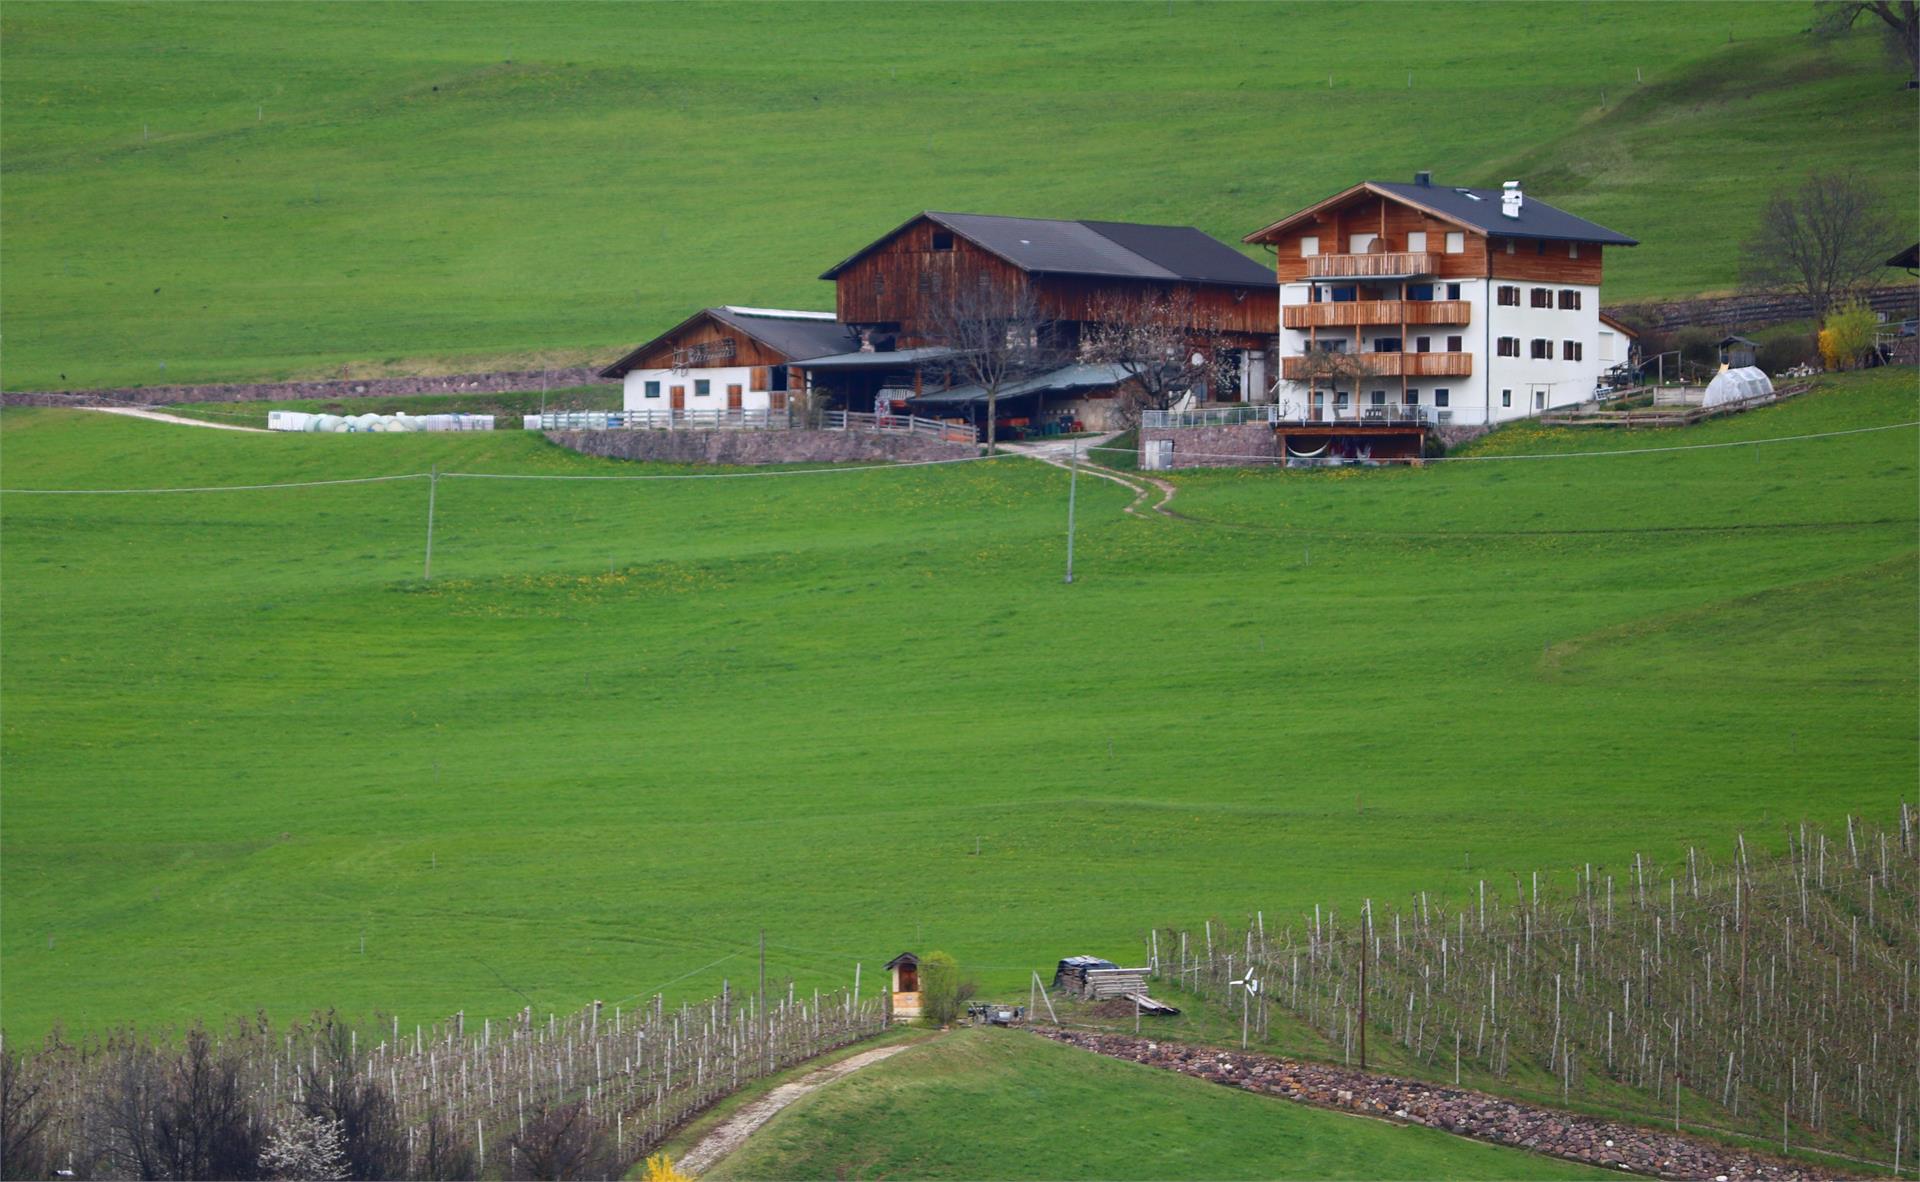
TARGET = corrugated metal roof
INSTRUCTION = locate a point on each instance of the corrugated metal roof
(1078, 376)
(1480, 208)
(1123, 250)
(798, 335)
(898, 359)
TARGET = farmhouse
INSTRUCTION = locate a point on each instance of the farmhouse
(888, 290)
(725, 363)
(1406, 306)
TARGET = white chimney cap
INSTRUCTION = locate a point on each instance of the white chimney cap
(1510, 199)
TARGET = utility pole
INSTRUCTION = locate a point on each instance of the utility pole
(1073, 491)
(433, 491)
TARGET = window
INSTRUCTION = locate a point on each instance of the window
(1423, 344)
(1419, 291)
(1340, 399)
(1344, 295)
(1379, 397)
(1417, 240)
(1309, 246)
(1509, 246)
(1573, 250)
(1506, 398)
(943, 240)
(1456, 242)
(1441, 398)
(1509, 346)
(1412, 397)
(653, 389)
(1569, 299)
(1570, 350)
(1386, 344)
(1542, 297)
(879, 285)
(1360, 243)
(1542, 349)
(1540, 246)
(1453, 291)
(777, 377)
(1453, 344)
(701, 387)
(1509, 296)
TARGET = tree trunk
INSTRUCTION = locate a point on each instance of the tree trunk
(993, 416)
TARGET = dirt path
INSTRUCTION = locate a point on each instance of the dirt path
(1060, 455)
(162, 417)
(728, 1135)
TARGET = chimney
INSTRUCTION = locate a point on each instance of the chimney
(1511, 199)
(1423, 179)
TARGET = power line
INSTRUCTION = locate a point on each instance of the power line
(1565, 455)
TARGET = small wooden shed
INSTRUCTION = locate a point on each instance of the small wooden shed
(1737, 352)
(905, 991)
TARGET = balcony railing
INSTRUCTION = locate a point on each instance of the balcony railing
(1357, 312)
(1281, 414)
(1388, 365)
(1392, 264)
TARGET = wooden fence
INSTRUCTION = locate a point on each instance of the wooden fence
(853, 420)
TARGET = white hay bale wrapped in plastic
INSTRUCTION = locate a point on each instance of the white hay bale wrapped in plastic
(327, 423)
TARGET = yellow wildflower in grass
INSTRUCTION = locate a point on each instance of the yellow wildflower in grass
(660, 1168)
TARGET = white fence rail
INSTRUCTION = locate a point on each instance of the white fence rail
(1275, 413)
(852, 420)
(664, 420)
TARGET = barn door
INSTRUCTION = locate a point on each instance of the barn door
(733, 397)
(679, 397)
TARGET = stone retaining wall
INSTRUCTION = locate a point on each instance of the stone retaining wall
(752, 448)
(1599, 1142)
(1193, 446)
(1751, 311)
(501, 382)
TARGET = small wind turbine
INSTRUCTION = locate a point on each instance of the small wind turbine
(1249, 985)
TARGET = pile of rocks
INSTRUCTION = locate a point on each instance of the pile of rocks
(1470, 1114)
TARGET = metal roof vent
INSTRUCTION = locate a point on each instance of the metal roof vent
(1511, 199)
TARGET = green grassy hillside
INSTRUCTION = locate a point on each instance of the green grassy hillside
(630, 724)
(268, 190)
(1005, 1104)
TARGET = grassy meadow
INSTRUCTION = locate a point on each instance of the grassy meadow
(1005, 1104)
(253, 761)
(300, 189)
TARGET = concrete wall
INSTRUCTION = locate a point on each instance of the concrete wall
(1193, 445)
(748, 448)
(502, 382)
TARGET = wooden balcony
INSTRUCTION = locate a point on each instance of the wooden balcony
(1357, 312)
(1392, 365)
(1390, 265)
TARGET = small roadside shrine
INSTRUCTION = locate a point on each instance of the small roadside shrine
(905, 994)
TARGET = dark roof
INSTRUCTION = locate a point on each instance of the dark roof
(1065, 380)
(903, 958)
(1476, 209)
(1735, 340)
(1124, 250)
(898, 359)
(1909, 258)
(797, 336)
(1480, 208)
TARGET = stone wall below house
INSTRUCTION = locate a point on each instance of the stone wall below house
(753, 448)
(1242, 445)
(501, 382)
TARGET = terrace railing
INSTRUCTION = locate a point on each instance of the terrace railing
(1280, 414)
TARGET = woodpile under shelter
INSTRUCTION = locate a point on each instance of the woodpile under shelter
(1094, 979)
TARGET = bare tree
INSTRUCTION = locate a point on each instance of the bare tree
(561, 1141)
(997, 335)
(1821, 240)
(1164, 341)
(23, 1120)
(1333, 367)
(372, 1138)
(1899, 21)
(182, 1117)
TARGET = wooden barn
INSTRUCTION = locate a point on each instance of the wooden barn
(885, 293)
(726, 359)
